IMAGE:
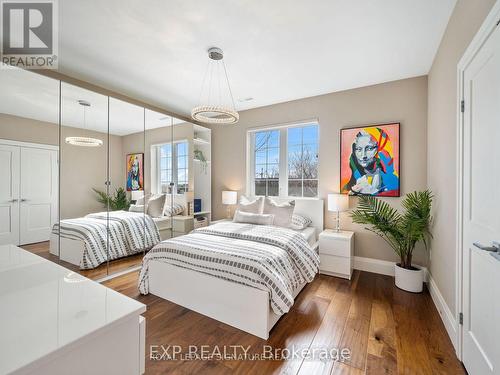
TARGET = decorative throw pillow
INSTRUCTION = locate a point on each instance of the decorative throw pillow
(155, 205)
(142, 200)
(252, 206)
(250, 218)
(300, 222)
(282, 212)
(172, 210)
(136, 208)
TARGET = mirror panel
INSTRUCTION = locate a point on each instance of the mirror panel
(126, 167)
(83, 176)
(29, 137)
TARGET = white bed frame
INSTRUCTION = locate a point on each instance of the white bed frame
(237, 305)
(71, 251)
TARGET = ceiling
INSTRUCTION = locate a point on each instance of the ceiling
(275, 51)
(30, 95)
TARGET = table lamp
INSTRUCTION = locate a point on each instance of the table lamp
(338, 203)
(229, 198)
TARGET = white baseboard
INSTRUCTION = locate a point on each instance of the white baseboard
(382, 267)
(448, 318)
(385, 267)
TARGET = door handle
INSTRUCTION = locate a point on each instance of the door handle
(495, 246)
(24, 199)
(13, 200)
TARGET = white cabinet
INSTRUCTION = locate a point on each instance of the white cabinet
(56, 322)
(29, 192)
(336, 251)
(182, 225)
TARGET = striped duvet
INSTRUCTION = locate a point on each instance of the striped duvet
(269, 258)
(129, 233)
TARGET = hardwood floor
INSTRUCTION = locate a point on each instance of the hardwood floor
(387, 330)
(43, 249)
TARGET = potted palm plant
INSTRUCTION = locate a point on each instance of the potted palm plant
(402, 231)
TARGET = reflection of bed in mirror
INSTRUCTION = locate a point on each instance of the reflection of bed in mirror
(90, 241)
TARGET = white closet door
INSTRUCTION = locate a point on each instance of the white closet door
(38, 212)
(9, 195)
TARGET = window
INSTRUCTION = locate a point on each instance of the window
(267, 161)
(284, 161)
(303, 161)
(173, 167)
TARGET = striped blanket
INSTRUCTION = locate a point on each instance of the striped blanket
(125, 233)
(269, 258)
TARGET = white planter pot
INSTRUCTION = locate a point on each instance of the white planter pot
(409, 280)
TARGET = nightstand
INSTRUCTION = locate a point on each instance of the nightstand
(336, 252)
(182, 225)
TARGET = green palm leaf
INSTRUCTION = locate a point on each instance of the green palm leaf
(401, 231)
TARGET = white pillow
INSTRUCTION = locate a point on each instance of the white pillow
(300, 222)
(136, 208)
(252, 206)
(142, 200)
(250, 218)
(282, 212)
(172, 210)
(155, 205)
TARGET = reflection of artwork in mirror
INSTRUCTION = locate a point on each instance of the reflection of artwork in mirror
(135, 172)
(369, 160)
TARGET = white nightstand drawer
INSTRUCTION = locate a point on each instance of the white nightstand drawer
(336, 266)
(183, 224)
(333, 243)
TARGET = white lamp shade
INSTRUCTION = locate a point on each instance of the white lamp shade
(189, 195)
(136, 194)
(338, 202)
(229, 197)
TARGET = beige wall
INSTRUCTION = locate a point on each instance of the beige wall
(82, 168)
(465, 20)
(402, 101)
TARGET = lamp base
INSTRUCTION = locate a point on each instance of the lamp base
(228, 213)
(337, 222)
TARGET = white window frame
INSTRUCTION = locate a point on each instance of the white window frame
(283, 156)
(156, 163)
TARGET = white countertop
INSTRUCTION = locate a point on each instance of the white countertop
(44, 308)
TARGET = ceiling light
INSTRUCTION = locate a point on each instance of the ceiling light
(84, 141)
(221, 110)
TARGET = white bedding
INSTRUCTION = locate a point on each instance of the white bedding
(109, 235)
(270, 258)
(309, 234)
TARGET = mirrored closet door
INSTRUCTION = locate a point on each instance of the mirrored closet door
(84, 172)
(94, 182)
(29, 138)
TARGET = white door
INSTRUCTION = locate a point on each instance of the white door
(9, 195)
(481, 211)
(38, 196)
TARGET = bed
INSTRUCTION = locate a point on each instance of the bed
(96, 238)
(179, 270)
(82, 241)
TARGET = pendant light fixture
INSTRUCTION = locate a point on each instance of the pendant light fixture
(216, 103)
(84, 141)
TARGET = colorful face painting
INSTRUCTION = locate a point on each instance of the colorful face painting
(135, 172)
(369, 160)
